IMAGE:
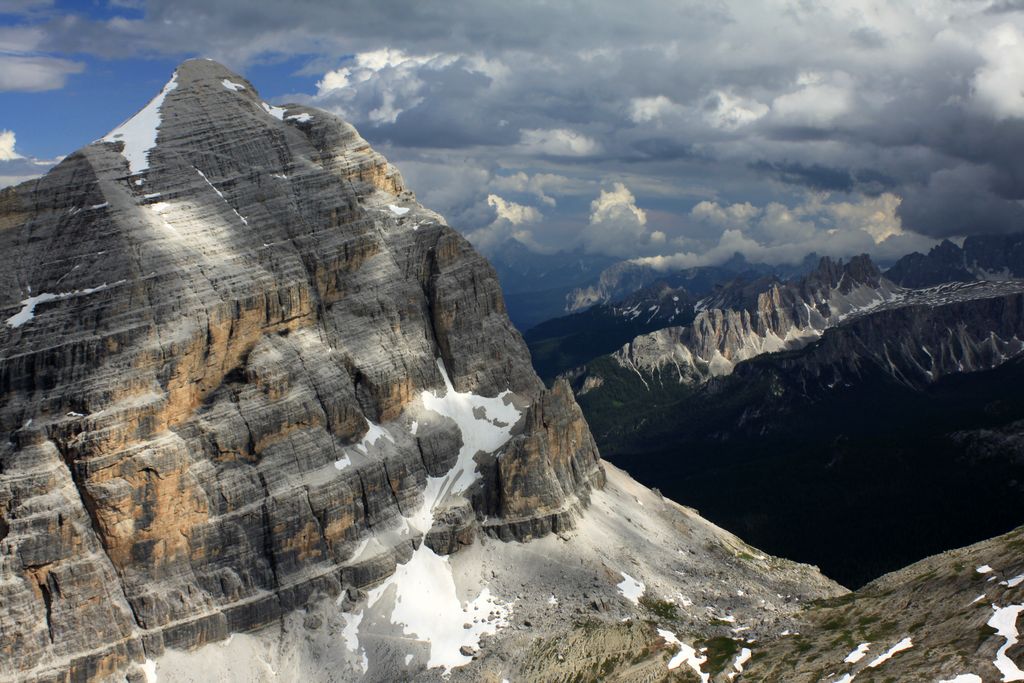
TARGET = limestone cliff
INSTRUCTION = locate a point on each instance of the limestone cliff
(240, 365)
(741, 322)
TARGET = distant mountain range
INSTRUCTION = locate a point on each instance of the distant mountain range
(833, 418)
(617, 306)
(982, 257)
(650, 300)
(627, 277)
(536, 285)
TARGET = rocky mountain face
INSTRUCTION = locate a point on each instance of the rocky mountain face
(641, 589)
(241, 366)
(982, 257)
(266, 418)
(657, 304)
(952, 617)
(764, 317)
(949, 618)
(944, 263)
(614, 282)
(921, 336)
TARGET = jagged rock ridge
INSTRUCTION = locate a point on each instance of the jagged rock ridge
(982, 257)
(222, 326)
(741, 322)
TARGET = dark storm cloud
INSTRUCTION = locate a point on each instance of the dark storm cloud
(1004, 6)
(892, 116)
(820, 177)
(959, 201)
(665, 148)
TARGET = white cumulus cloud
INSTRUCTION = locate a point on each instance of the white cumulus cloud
(7, 152)
(732, 215)
(617, 225)
(35, 73)
(510, 219)
(780, 233)
(380, 85)
(646, 109)
(516, 214)
(999, 84)
(817, 100)
(544, 186)
(723, 109)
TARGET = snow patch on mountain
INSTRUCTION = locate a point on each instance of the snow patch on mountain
(486, 425)
(421, 598)
(28, 306)
(904, 644)
(631, 589)
(857, 654)
(276, 112)
(686, 654)
(1004, 621)
(139, 132)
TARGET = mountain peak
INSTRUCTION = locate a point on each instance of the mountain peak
(834, 273)
(257, 353)
(206, 76)
(207, 136)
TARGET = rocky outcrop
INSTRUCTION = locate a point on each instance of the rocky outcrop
(777, 316)
(921, 338)
(222, 327)
(941, 619)
(541, 470)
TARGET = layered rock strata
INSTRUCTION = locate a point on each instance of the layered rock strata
(241, 366)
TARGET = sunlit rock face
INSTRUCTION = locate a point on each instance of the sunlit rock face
(740, 322)
(222, 327)
(917, 335)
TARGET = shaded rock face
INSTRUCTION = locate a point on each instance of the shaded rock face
(657, 304)
(944, 263)
(544, 468)
(614, 282)
(982, 257)
(919, 339)
(214, 348)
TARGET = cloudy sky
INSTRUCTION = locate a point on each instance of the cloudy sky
(676, 131)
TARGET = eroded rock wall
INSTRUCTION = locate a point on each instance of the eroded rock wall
(210, 381)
